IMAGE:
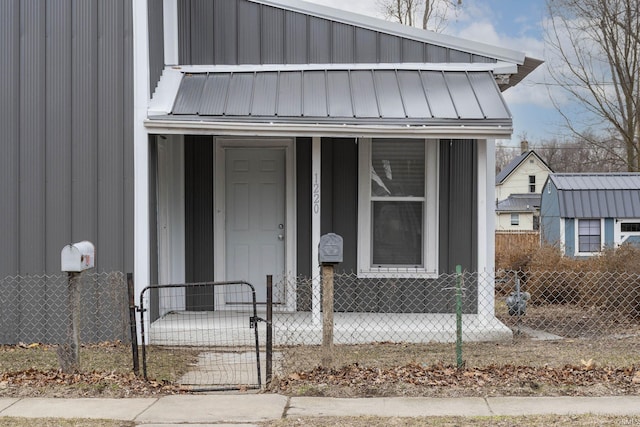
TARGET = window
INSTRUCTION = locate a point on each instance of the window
(589, 236)
(630, 227)
(397, 207)
(515, 219)
(536, 222)
(532, 183)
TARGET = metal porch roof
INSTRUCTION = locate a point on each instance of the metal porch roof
(599, 195)
(411, 97)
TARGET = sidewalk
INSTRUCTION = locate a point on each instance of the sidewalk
(252, 408)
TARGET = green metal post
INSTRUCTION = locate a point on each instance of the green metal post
(459, 316)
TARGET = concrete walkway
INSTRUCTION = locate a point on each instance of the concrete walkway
(247, 409)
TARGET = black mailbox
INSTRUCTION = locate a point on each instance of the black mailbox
(330, 249)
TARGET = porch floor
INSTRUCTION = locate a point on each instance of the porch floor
(231, 328)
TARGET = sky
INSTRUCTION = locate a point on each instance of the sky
(513, 24)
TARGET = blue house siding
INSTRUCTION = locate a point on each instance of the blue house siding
(569, 236)
(550, 214)
(609, 232)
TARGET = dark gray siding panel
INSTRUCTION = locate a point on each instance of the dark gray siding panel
(303, 209)
(66, 107)
(366, 46)
(296, 38)
(84, 163)
(202, 32)
(272, 40)
(458, 205)
(111, 136)
(249, 36)
(340, 195)
(9, 123)
(32, 136)
(319, 41)
(245, 32)
(58, 129)
(390, 48)
(412, 51)
(199, 236)
(343, 43)
(225, 33)
(156, 42)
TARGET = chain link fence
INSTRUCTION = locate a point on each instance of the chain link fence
(35, 308)
(513, 308)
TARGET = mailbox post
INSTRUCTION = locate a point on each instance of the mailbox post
(74, 259)
(330, 252)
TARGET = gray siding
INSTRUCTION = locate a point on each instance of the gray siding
(65, 111)
(242, 32)
(458, 215)
(199, 236)
(156, 42)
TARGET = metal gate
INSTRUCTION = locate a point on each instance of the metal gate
(191, 337)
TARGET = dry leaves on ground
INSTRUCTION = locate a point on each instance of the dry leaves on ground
(440, 380)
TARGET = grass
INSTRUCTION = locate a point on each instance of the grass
(57, 422)
(521, 351)
(533, 420)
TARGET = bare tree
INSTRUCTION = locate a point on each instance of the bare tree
(595, 60)
(426, 14)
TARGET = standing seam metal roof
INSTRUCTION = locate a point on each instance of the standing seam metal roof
(388, 95)
(606, 195)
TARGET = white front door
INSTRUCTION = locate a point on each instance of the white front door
(255, 218)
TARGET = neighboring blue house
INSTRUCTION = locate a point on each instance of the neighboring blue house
(586, 212)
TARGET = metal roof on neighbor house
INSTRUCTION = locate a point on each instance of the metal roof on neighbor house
(599, 195)
(527, 202)
(350, 96)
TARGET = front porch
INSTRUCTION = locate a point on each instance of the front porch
(232, 328)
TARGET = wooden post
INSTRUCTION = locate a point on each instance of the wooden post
(327, 315)
(69, 352)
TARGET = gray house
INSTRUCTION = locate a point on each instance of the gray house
(586, 212)
(196, 140)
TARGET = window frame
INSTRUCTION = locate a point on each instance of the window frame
(516, 216)
(429, 268)
(532, 183)
(578, 252)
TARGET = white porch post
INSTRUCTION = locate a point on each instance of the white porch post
(141, 250)
(315, 227)
(486, 227)
(170, 24)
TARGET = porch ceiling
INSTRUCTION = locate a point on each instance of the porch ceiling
(358, 97)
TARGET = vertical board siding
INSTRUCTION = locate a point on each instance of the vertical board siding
(155, 18)
(110, 134)
(234, 32)
(66, 106)
(32, 136)
(272, 42)
(58, 128)
(84, 119)
(199, 234)
(9, 123)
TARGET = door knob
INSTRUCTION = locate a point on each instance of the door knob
(280, 236)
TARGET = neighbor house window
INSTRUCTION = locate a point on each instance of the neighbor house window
(515, 219)
(589, 235)
(397, 206)
(630, 227)
(532, 183)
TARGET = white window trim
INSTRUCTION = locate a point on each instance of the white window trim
(430, 220)
(577, 237)
(619, 237)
